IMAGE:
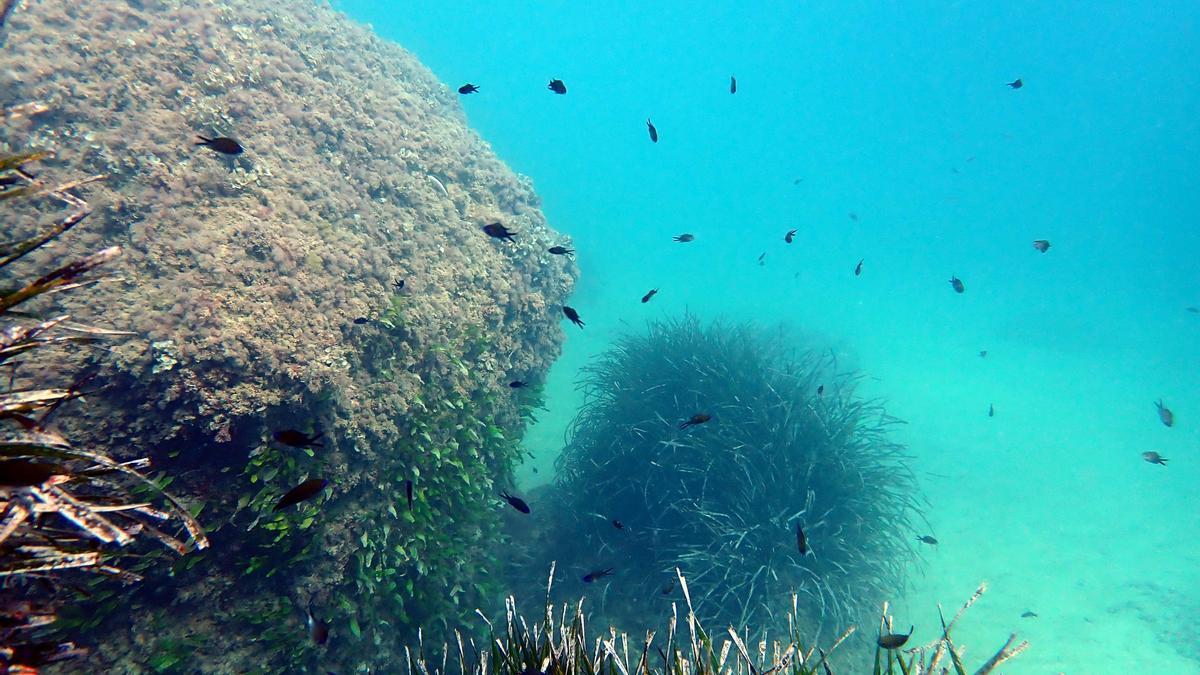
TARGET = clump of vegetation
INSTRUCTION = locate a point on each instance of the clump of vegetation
(63, 508)
(713, 446)
(560, 645)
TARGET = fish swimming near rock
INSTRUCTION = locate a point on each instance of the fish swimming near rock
(1016, 84)
(684, 238)
(801, 540)
(732, 84)
(318, 630)
(499, 231)
(858, 268)
(598, 574)
(651, 294)
(573, 316)
(957, 284)
(468, 88)
(298, 439)
(926, 539)
(1154, 458)
(398, 285)
(791, 234)
(557, 87)
(1041, 245)
(7, 180)
(304, 491)
(1164, 413)
(360, 320)
(895, 640)
(652, 130)
(516, 502)
(561, 250)
(223, 145)
(698, 418)
(517, 384)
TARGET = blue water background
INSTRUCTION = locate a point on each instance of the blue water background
(898, 113)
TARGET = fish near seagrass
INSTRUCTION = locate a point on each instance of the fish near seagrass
(895, 640)
(1164, 413)
(698, 418)
(651, 294)
(573, 316)
(468, 88)
(298, 439)
(618, 524)
(304, 491)
(557, 87)
(516, 502)
(221, 144)
(957, 284)
(318, 630)
(1041, 245)
(598, 574)
(652, 130)
(498, 231)
(408, 492)
(1154, 458)
(801, 540)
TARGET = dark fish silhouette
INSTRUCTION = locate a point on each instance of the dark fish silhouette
(468, 88)
(732, 84)
(761, 258)
(557, 87)
(618, 524)
(983, 353)
(801, 540)
(561, 250)
(1016, 84)
(516, 502)
(652, 130)
(517, 384)
(1041, 245)
(926, 539)
(1154, 458)
(651, 294)
(1194, 310)
(957, 284)
(318, 630)
(1029, 615)
(684, 238)
(666, 590)
(6, 181)
(573, 316)
(225, 146)
(398, 285)
(298, 439)
(820, 390)
(22, 473)
(1164, 413)
(895, 640)
(991, 410)
(498, 231)
(853, 216)
(306, 490)
(598, 574)
(791, 234)
(858, 268)
(360, 320)
(408, 492)
(698, 418)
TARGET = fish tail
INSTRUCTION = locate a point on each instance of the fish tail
(203, 140)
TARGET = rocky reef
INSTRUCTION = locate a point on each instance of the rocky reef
(248, 278)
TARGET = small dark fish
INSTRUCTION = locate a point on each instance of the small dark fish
(557, 87)
(498, 231)
(666, 590)
(598, 574)
(1016, 84)
(398, 285)
(858, 267)
(926, 539)
(573, 316)
(820, 390)
(517, 384)
(306, 490)
(651, 294)
(791, 234)
(895, 640)
(561, 250)
(798, 181)
(1194, 310)
(957, 284)
(408, 492)
(698, 418)
(652, 130)
(360, 320)
(618, 524)
(853, 216)
(983, 353)
(1164, 413)
(225, 146)
(991, 410)
(761, 258)
(801, 540)
(1154, 458)
(684, 238)
(732, 84)
(6, 181)
(468, 88)
(516, 502)
(318, 630)
(1029, 615)
(1041, 245)
(22, 473)
(298, 439)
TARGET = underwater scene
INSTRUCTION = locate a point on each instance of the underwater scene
(670, 338)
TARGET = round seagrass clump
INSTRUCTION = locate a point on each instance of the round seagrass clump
(722, 499)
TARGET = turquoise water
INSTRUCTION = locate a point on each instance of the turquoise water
(899, 114)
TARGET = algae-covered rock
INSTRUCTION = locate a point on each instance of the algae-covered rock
(244, 277)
